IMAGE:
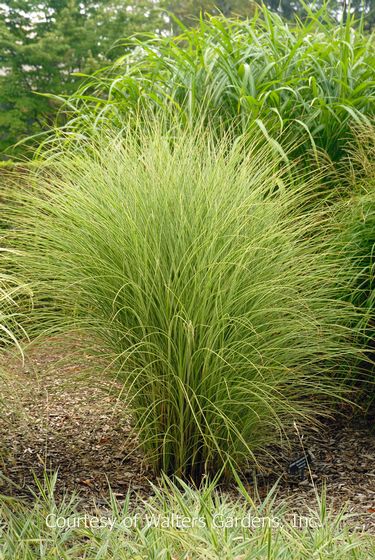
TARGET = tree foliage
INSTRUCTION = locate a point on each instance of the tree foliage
(44, 44)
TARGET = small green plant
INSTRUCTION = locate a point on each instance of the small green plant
(179, 522)
(200, 266)
(305, 83)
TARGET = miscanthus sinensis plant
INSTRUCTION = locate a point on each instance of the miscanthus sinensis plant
(201, 268)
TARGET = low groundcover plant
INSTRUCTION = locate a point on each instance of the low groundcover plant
(178, 522)
(204, 270)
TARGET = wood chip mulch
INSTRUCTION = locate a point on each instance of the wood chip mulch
(59, 415)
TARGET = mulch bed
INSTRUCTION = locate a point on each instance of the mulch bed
(62, 416)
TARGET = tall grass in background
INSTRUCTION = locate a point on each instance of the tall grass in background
(220, 296)
(305, 83)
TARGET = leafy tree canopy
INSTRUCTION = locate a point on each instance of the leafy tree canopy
(44, 43)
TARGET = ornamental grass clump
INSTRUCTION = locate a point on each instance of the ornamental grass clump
(203, 271)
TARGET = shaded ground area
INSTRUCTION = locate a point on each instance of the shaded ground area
(61, 417)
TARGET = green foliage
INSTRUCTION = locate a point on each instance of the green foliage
(11, 292)
(44, 44)
(201, 268)
(360, 231)
(11, 289)
(188, 11)
(178, 523)
(309, 82)
(358, 220)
